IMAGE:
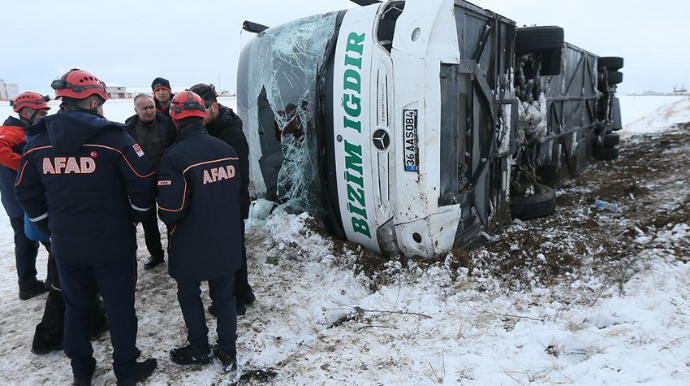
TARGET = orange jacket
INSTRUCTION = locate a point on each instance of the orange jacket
(12, 141)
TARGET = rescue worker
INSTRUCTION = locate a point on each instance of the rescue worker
(85, 182)
(30, 108)
(154, 133)
(198, 198)
(162, 95)
(222, 123)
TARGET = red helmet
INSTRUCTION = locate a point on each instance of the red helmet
(30, 99)
(78, 84)
(187, 104)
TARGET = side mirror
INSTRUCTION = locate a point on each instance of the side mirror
(250, 26)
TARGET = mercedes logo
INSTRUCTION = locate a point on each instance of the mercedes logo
(381, 139)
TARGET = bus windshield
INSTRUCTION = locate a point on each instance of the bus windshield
(280, 76)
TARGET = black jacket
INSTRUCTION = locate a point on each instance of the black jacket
(166, 136)
(228, 128)
(89, 179)
(198, 197)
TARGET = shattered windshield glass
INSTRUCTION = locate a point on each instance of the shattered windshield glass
(279, 83)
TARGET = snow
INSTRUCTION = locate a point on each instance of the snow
(317, 320)
(647, 114)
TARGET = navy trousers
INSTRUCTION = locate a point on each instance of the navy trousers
(25, 252)
(52, 325)
(116, 281)
(241, 287)
(220, 291)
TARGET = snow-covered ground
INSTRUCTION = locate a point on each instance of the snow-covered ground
(645, 114)
(319, 320)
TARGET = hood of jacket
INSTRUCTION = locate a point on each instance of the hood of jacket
(69, 130)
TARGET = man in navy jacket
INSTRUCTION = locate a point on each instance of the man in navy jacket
(198, 198)
(222, 123)
(85, 182)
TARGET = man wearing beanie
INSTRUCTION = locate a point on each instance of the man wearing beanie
(162, 95)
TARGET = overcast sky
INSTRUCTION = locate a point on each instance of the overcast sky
(130, 42)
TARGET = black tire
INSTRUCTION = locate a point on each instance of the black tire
(606, 153)
(615, 77)
(540, 204)
(611, 140)
(542, 38)
(612, 63)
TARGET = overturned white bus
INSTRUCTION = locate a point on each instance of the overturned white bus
(413, 127)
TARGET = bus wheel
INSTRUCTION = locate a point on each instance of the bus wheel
(612, 63)
(606, 153)
(615, 77)
(611, 140)
(541, 204)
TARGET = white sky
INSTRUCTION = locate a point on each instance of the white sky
(130, 42)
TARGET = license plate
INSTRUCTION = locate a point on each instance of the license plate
(410, 141)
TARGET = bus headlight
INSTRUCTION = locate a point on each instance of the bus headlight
(388, 241)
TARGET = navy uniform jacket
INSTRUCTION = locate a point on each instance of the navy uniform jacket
(88, 181)
(198, 197)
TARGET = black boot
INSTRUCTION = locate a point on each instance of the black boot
(141, 371)
(153, 261)
(228, 360)
(82, 381)
(191, 355)
(36, 289)
(44, 344)
(249, 298)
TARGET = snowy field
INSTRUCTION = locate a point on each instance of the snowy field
(317, 320)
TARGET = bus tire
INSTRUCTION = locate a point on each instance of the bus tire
(606, 153)
(615, 77)
(540, 204)
(541, 38)
(612, 63)
(611, 140)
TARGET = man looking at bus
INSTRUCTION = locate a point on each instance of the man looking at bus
(198, 198)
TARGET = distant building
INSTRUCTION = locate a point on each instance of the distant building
(8, 91)
(116, 92)
(133, 91)
(680, 90)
